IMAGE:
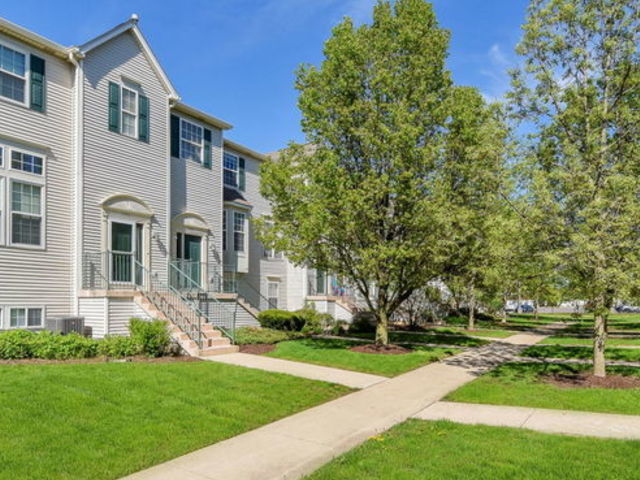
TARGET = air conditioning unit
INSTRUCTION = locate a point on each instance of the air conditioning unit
(65, 325)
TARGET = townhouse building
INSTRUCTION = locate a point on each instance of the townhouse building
(119, 200)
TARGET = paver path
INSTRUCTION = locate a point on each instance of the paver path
(568, 422)
(299, 369)
(297, 445)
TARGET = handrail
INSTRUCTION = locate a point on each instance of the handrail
(228, 328)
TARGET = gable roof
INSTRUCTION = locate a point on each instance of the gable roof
(230, 144)
(200, 115)
(33, 39)
(131, 26)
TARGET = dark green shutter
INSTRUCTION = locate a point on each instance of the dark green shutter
(206, 152)
(241, 175)
(143, 118)
(114, 107)
(175, 136)
(37, 83)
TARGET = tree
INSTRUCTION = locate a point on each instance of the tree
(579, 91)
(368, 200)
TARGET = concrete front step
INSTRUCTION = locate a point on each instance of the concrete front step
(219, 350)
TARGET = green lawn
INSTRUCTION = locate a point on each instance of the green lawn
(618, 322)
(486, 332)
(407, 337)
(588, 341)
(336, 353)
(520, 384)
(106, 420)
(419, 450)
(559, 351)
(529, 319)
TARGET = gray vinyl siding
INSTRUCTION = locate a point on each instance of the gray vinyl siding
(115, 163)
(43, 276)
(260, 268)
(196, 189)
(121, 310)
(94, 311)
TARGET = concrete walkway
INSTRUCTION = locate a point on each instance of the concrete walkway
(297, 445)
(299, 369)
(542, 420)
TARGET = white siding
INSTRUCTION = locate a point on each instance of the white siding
(118, 164)
(94, 311)
(120, 312)
(43, 276)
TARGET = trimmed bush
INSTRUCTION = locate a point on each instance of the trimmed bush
(281, 320)
(118, 347)
(152, 336)
(53, 346)
(253, 335)
(16, 344)
(315, 322)
(363, 322)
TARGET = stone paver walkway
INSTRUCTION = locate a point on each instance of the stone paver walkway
(297, 445)
(299, 369)
(540, 419)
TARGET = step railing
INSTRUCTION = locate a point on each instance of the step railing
(219, 314)
(110, 270)
(173, 304)
(232, 283)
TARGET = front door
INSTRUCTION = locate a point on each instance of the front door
(193, 257)
(122, 248)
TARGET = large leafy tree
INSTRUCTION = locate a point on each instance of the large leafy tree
(368, 198)
(579, 89)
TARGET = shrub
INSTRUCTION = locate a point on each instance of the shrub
(151, 336)
(363, 322)
(315, 322)
(281, 320)
(253, 335)
(16, 344)
(118, 347)
(53, 346)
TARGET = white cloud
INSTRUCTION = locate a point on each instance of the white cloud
(495, 69)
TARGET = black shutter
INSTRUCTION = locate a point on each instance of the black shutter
(37, 83)
(114, 107)
(206, 151)
(241, 175)
(143, 118)
(175, 136)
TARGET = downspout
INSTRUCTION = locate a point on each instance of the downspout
(172, 101)
(76, 59)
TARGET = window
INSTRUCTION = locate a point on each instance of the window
(224, 230)
(272, 293)
(26, 214)
(230, 170)
(1, 156)
(238, 231)
(2, 210)
(13, 76)
(25, 318)
(190, 141)
(26, 162)
(129, 112)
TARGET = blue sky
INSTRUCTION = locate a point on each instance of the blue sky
(236, 59)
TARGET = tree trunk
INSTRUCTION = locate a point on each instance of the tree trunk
(535, 309)
(472, 307)
(504, 309)
(599, 342)
(382, 329)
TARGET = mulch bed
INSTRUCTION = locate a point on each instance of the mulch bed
(586, 380)
(257, 348)
(137, 359)
(380, 349)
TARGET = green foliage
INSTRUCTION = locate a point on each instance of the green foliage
(362, 322)
(152, 336)
(370, 199)
(253, 335)
(315, 322)
(116, 346)
(16, 344)
(53, 346)
(281, 320)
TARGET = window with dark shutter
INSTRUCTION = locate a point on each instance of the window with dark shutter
(37, 97)
(143, 118)
(114, 107)
(175, 136)
(241, 175)
(206, 159)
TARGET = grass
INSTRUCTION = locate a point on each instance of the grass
(253, 335)
(419, 337)
(559, 340)
(336, 353)
(621, 322)
(106, 420)
(441, 450)
(559, 351)
(486, 332)
(520, 384)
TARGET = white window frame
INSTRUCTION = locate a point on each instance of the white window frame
(271, 282)
(243, 232)
(198, 145)
(42, 214)
(133, 113)
(9, 309)
(26, 78)
(9, 161)
(236, 172)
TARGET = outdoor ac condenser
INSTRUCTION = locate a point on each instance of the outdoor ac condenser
(65, 325)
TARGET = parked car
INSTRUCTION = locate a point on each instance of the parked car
(526, 308)
(627, 309)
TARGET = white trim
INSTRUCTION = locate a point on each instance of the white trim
(26, 308)
(201, 145)
(26, 152)
(3, 212)
(225, 169)
(43, 216)
(32, 38)
(133, 113)
(27, 74)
